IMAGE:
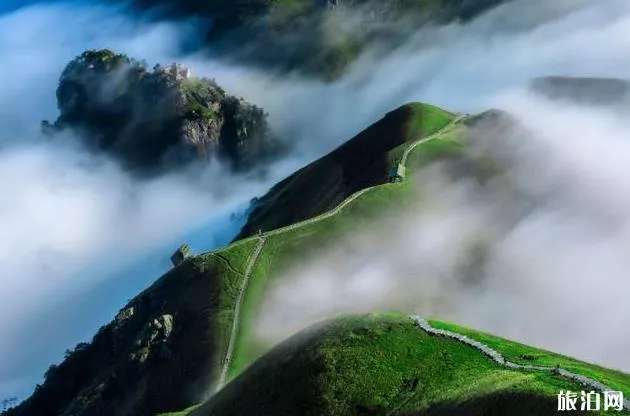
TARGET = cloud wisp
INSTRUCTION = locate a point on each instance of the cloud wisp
(79, 236)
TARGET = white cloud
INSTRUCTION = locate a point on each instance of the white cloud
(78, 236)
(557, 228)
(58, 209)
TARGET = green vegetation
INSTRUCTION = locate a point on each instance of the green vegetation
(196, 111)
(331, 61)
(361, 162)
(378, 365)
(198, 95)
(524, 354)
(282, 251)
(369, 365)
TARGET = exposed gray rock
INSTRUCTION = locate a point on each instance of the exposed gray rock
(124, 315)
(159, 119)
(181, 254)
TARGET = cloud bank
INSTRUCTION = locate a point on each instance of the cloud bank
(554, 232)
(459, 67)
(79, 236)
(555, 229)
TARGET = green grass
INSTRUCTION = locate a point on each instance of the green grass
(197, 93)
(363, 161)
(514, 351)
(377, 364)
(230, 266)
(373, 361)
(286, 249)
(426, 120)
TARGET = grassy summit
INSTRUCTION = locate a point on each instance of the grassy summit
(363, 161)
(383, 365)
(524, 354)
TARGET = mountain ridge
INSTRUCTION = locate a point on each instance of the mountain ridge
(165, 350)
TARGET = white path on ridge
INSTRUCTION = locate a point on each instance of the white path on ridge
(237, 310)
(497, 357)
(263, 238)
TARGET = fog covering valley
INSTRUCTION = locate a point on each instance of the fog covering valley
(80, 237)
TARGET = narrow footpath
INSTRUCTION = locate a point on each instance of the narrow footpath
(498, 358)
(227, 361)
(237, 310)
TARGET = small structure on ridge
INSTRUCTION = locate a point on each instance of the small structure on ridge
(398, 173)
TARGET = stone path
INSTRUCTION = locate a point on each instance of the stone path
(497, 357)
(262, 239)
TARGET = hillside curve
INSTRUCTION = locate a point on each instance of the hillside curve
(263, 236)
(500, 359)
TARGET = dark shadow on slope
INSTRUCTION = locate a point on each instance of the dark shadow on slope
(359, 163)
(158, 354)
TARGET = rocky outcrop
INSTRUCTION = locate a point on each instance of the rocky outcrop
(154, 339)
(181, 254)
(152, 120)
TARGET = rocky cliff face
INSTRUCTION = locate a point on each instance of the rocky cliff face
(159, 353)
(151, 120)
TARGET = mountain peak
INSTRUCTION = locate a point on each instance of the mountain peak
(158, 119)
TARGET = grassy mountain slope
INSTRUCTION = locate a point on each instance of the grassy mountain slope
(123, 372)
(524, 354)
(117, 374)
(363, 161)
(120, 376)
(383, 365)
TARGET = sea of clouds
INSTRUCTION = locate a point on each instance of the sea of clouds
(74, 225)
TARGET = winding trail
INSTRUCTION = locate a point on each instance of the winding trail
(422, 323)
(498, 358)
(237, 309)
(227, 361)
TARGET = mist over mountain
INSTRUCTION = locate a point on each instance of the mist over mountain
(320, 38)
(323, 115)
(160, 119)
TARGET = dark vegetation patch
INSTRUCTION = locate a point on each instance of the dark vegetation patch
(121, 373)
(153, 120)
